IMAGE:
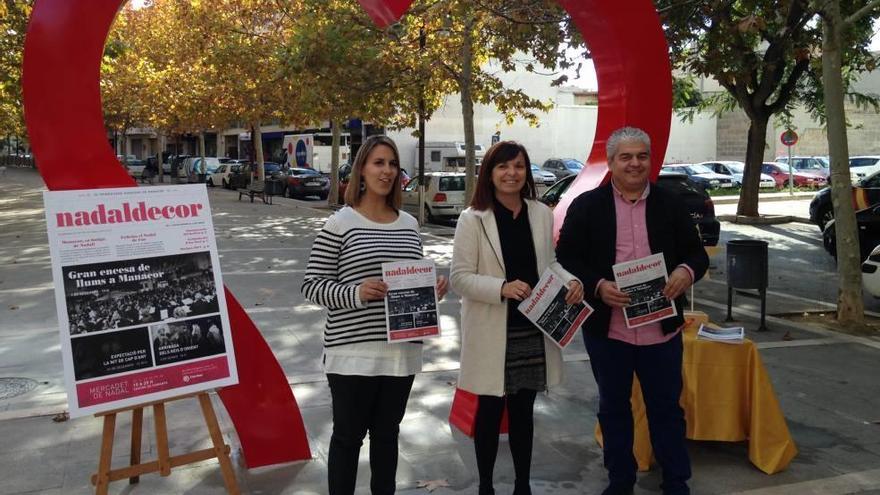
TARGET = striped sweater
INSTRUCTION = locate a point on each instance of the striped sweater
(349, 249)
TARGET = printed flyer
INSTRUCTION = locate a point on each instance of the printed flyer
(643, 280)
(139, 295)
(546, 308)
(411, 300)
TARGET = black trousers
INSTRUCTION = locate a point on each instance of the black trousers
(361, 404)
(487, 426)
(659, 370)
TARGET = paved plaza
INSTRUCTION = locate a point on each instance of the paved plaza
(826, 382)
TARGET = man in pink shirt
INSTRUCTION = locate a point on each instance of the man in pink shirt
(625, 220)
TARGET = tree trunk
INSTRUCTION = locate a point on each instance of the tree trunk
(257, 142)
(467, 110)
(161, 171)
(202, 168)
(757, 141)
(850, 305)
(333, 198)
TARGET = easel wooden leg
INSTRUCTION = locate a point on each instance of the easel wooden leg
(165, 460)
(162, 439)
(103, 478)
(137, 426)
(220, 448)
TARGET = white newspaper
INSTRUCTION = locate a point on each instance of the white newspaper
(411, 300)
(643, 280)
(546, 308)
(729, 335)
(140, 300)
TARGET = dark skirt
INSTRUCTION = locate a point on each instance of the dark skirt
(525, 364)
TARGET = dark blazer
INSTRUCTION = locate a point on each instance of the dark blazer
(588, 245)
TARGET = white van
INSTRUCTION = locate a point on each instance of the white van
(446, 156)
(299, 147)
(193, 166)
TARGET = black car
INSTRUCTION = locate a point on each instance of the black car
(868, 221)
(865, 194)
(302, 182)
(698, 202)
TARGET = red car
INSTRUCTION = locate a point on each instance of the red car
(779, 172)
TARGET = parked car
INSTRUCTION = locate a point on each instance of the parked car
(562, 167)
(871, 273)
(302, 182)
(802, 178)
(808, 164)
(736, 171)
(444, 195)
(699, 204)
(863, 166)
(135, 167)
(868, 221)
(542, 177)
(864, 194)
(701, 175)
(221, 176)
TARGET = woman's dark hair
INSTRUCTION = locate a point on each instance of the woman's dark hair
(500, 152)
(354, 192)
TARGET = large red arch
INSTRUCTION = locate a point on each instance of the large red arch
(60, 81)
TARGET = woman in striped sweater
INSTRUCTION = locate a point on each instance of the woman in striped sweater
(370, 379)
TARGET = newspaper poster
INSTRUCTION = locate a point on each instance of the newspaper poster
(411, 300)
(140, 300)
(546, 308)
(643, 280)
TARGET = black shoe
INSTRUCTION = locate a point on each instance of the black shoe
(522, 488)
(614, 490)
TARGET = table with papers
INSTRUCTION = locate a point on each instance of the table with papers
(727, 396)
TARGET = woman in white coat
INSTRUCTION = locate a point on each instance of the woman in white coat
(503, 243)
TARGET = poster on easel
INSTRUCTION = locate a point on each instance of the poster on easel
(139, 295)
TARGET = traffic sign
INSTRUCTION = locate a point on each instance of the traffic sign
(789, 138)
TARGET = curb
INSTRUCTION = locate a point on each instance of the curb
(734, 199)
(763, 219)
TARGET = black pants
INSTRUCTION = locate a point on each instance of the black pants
(659, 370)
(520, 422)
(360, 404)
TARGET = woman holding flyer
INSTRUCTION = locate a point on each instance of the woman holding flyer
(503, 243)
(370, 379)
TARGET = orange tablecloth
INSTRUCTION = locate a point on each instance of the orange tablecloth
(726, 397)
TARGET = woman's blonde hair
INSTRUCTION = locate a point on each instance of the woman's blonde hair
(354, 191)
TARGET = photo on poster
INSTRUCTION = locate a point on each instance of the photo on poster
(111, 353)
(188, 339)
(119, 294)
(411, 300)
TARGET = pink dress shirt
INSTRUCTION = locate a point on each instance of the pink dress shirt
(632, 244)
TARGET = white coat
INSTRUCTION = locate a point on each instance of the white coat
(477, 275)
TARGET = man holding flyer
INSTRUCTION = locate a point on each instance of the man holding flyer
(623, 221)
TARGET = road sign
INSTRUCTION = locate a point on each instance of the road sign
(789, 138)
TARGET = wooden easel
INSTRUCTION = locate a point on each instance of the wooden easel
(165, 462)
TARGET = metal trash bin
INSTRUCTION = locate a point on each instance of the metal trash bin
(747, 268)
(274, 187)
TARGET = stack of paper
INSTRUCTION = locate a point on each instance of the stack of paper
(730, 335)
